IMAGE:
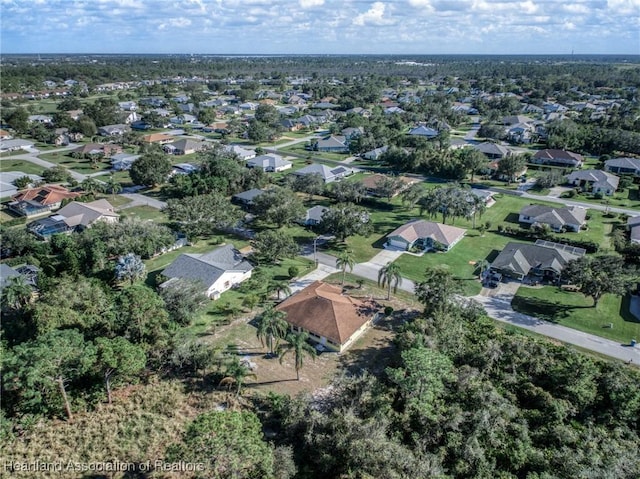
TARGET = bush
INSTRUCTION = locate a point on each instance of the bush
(598, 195)
(388, 310)
(293, 271)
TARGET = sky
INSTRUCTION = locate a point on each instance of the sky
(321, 26)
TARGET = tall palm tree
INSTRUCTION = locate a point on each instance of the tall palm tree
(236, 373)
(297, 343)
(90, 185)
(16, 293)
(271, 327)
(280, 287)
(113, 186)
(482, 265)
(345, 260)
(390, 275)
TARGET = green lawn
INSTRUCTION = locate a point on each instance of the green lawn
(574, 310)
(77, 165)
(146, 213)
(627, 198)
(7, 164)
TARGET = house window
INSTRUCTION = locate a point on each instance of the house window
(227, 284)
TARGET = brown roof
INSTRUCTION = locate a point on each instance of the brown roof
(415, 229)
(46, 195)
(157, 137)
(323, 310)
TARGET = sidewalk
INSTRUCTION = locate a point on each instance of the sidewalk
(321, 272)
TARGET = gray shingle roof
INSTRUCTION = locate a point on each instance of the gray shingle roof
(556, 216)
(207, 267)
(521, 258)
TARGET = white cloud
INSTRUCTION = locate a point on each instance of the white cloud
(421, 3)
(576, 8)
(179, 22)
(373, 16)
(528, 7)
(311, 3)
(624, 6)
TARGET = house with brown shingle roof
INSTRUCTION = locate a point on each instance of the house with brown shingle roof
(158, 138)
(425, 235)
(555, 157)
(36, 201)
(372, 182)
(332, 319)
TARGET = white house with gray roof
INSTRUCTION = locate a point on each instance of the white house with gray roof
(269, 163)
(328, 174)
(217, 271)
(568, 218)
(634, 229)
(623, 166)
(595, 181)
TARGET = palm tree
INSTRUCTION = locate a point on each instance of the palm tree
(482, 265)
(16, 293)
(271, 327)
(114, 186)
(280, 287)
(236, 373)
(90, 185)
(345, 260)
(478, 207)
(388, 275)
(297, 342)
(130, 267)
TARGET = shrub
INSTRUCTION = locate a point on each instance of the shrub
(388, 310)
(293, 271)
(598, 195)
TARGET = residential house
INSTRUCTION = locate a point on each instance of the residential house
(513, 120)
(74, 216)
(42, 119)
(595, 181)
(333, 320)
(484, 195)
(623, 166)
(241, 152)
(28, 271)
(633, 224)
(5, 135)
(15, 144)
(184, 146)
(128, 105)
(246, 198)
(141, 125)
(424, 131)
(107, 150)
(351, 133)
(313, 216)
(371, 183)
(425, 235)
(123, 161)
(542, 259)
(374, 154)
(521, 133)
(113, 130)
(35, 201)
(554, 157)
(570, 218)
(158, 138)
(493, 151)
(328, 174)
(183, 169)
(217, 271)
(269, 163)
(7, 182)
(333, 144)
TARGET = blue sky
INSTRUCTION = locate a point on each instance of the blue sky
(320, 26)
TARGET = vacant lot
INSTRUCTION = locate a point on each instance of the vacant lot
(574, 310)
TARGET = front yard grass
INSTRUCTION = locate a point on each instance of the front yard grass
(146, 213)
(574, 310)
(7, 164)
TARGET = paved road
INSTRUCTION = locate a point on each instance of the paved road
(500, 309)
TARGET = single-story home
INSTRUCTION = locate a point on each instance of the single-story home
(485, 195)
(555, 157)
(546, 259)
(425, 235)
(492, 151)
(35, 201)
(123, 161)
(246, 197)
(107, 150)
(595, 181)
(371, 183)
(623, 166)
(375, 153)
(74, 216)
(158, 138)
(269, 163)
(328, 174)
(184, 146)
(7, 182)
(569, 218)
(28, 271)
(241, 152)
(423, 131)
(333, 144)
(332, 319)
(113, 130)
(313, 216)
(15, 144)
(184, 169)
(217, 271)
(634, 229)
